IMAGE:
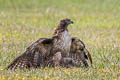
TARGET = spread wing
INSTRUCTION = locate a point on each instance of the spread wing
(34, 55)
(79, 52)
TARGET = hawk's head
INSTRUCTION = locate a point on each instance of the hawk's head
(66, 21)
(63, 25)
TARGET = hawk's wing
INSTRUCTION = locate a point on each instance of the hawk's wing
(79, 52)
(34, 55)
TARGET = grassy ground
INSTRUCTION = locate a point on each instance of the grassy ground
(97, 23)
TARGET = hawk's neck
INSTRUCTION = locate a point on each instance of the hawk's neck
(60, 28)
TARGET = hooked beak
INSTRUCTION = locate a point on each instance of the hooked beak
(72, 22)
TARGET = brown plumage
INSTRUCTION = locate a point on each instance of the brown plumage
(61, 49)
(55, 60)
(61, 38)
(79, 53)
(34, 55)
(39, 52)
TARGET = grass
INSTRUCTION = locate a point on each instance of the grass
(97, 24)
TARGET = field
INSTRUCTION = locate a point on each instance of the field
(96, 23)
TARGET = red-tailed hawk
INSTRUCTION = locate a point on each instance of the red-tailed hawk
(57, 50)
